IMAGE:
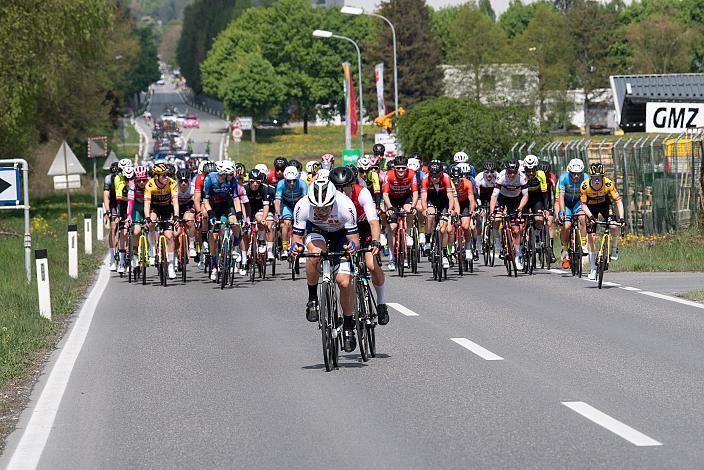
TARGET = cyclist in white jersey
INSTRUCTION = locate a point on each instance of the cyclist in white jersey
(511, 194)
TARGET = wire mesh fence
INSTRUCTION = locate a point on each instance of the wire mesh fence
(658, 176)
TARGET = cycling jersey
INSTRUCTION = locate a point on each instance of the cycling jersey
(372, 182)
(242, 194)
(288, 195)
(264, 196)
(591, 197)
(135, 201)
(271, 177)
(443, 185)
(484, 186)
(538, 182)
(185, 197)
(420, 174)
(397, 187)
(363, 204)
(109, 185)
(219, 192)
(513, 187)
(570, 189)
(310, 177)
(342, 217)
(121, 185)
(199, 182)
(463, 190)
(160, 196)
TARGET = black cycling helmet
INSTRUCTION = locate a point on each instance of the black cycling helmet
(183, 175)
(114, 168)
(379, 150)
(489, 165)
(296, 163)
(256, 175)
(280, 163)
(240, 169)
(511, 165)
(544, 165)
(160, 169)
(417, 155)
(435, 168)
(208, 167)
(172, 169)
(352, 167)
(455, 171)
(400, 160)
(341, 176)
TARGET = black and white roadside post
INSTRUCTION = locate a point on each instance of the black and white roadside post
(99, 224)
(73, 251)
(43, 290)
(88, 233)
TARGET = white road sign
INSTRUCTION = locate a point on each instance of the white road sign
(9, 185)
(245, 123)
(673, 117)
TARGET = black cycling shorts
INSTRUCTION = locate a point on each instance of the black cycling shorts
(535, 202)
(603, 208)
(397, 204)
(465, 209)
(510, 203)
(438, 200)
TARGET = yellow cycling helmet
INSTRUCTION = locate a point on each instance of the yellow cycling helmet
(596, 169)
(160, 169)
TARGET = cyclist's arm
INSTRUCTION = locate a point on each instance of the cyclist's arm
(494, 198)
(524, 199)
(586, 210)
(472, 200)
(174, 198)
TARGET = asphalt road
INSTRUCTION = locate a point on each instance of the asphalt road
(483, 371)
(212, 128)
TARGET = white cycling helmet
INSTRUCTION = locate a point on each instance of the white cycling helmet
(222, 168)
(575, 166)
(309, 166)
(322, 193)
(322, 175)
(521, 166)
(230, 167)
(124, 163)
(464, 168)
(291, 173)
(530, 162)
(364, 164)
(128, 172)
(261, 167)
(460, 157)
(413, 164)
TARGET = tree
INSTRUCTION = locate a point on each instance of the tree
(662, 45)
(418, 55)
(441, 21)
(543, 44)
(517, 16)
(476, 41)
(441, 126)
(485, 7)
(591, 27)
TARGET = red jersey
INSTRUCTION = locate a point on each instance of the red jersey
(272, 179)
(443, 185)
(397, 187)
(198, 185)
(464, 189)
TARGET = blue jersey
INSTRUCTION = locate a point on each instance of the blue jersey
(420, 174)
(569, 188)
(474, 185)
(290, 196)
(217, 192)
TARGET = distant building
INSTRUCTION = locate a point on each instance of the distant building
(514, 83)
(327, 3)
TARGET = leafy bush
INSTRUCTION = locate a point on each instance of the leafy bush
(442, 126)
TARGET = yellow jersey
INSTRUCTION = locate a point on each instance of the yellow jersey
(373, 184)
(121, 187)
(591, 197)
(160, 196)
(539, 182)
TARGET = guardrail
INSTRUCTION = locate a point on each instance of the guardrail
(660, 177)
(202, 104)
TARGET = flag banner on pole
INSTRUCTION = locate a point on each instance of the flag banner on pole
(352, 99)
(345, 83)
(379, 78)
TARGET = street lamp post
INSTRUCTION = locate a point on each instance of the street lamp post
(356, 11)
(319, 33)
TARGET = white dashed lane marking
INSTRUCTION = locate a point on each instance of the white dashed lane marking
(607, 422)
(401, 309)
(478, 350)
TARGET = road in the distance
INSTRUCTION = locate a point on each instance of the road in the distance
(484, 371)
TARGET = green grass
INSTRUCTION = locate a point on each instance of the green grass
(131, 144)
(293, 143)
(24, 334)
(695, 295)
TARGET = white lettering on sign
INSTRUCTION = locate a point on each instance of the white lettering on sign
(673, 117)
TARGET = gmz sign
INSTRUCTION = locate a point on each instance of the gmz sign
(673, 117)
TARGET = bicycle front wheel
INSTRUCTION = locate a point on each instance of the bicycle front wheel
(603, 260)
(360, 320)
(325, 329)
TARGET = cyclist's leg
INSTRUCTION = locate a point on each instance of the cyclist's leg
(591, 244)
(392, 217)
(286, 220)
(315, 243)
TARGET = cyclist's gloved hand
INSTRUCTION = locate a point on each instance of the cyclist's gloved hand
(375, 246)
(622, 221)
(295, 249)
(351, 247)
(211, 214)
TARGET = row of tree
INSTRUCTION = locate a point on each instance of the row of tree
(68, 66)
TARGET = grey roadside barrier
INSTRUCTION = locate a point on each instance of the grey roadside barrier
(43, 289)
(73, 251)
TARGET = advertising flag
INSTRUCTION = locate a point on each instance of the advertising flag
(379, 78)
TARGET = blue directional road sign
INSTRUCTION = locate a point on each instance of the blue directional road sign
(9, 185)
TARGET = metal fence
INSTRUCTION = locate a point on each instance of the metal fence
(658, 176)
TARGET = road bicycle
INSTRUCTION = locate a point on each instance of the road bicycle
(505, 230)
(367, 315)
(414, 254)
(545, 252)
(400, 242)
(143, 253)
(603, 255)
(226, 266)
(257, 253)
(574, 249)
(487, 239)
(437, 251)
(464, 264)
(183, 250)
(529, 243)
(162, 258)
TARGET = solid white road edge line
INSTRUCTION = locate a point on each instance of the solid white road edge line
(672, 299)
(607, 422)
(401, 309)
(632, 289)
(31, 444)
(478, 350)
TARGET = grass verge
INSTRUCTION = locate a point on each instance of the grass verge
(695, 295)
(24, 335)
(293, 143)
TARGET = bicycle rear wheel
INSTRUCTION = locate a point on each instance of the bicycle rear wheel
(224, 264)
(164, 262)
(360, 314)
(603, 260)
(460, 250)
(335, 323)
(183, 254)
(128, 258)
(252, 267)
(325, 329)
(529, 256)
(371, 322)
(401, 252)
